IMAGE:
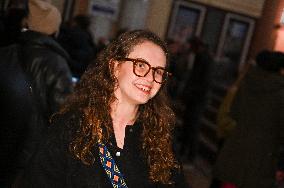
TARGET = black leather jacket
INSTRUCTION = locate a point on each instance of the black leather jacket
(16, 103)
(45, 61)
(27, 109)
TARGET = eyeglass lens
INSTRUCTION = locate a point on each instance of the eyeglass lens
(142, 68)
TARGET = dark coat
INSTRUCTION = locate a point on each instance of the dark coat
(55, 167)
(16, 104)
(249, 157)
(45, 62)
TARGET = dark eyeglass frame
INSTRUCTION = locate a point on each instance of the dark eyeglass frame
(166, 74)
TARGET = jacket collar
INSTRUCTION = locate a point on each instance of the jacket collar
(34, 38)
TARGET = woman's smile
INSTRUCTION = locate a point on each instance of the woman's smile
(144, 88)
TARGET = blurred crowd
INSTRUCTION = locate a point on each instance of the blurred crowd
(43, 58)
(249, 120)
(250, 127)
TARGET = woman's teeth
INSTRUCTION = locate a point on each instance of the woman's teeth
(144, 88)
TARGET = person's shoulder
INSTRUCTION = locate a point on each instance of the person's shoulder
(55, 61)
(43, 45)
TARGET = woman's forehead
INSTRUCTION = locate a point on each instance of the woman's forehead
(150, 52)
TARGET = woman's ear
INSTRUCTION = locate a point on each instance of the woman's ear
(114, 67)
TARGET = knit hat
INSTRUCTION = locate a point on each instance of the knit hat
(43, 17)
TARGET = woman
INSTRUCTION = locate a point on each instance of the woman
(118, 107)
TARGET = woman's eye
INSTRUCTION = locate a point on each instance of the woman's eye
(160, 72)
(141, 65)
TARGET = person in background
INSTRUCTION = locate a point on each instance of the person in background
(194, 96)
(178, 67)
(17, 106)
(78, 41)
(225, 123)
(249, 156)
(37, 80)
(12, 19)
(115, 129)
(45, 61)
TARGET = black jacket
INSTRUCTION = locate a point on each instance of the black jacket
(17, 107)
(54, 166)
(45, 62)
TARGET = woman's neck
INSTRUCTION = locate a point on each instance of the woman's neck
(123, 114)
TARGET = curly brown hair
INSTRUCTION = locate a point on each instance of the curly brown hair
(95, 93)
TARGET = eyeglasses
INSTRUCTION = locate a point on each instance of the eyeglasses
(141, 68)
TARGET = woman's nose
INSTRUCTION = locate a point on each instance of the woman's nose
(150, 76)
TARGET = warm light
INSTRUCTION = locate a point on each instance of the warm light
(279, 45)
(282, 18)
